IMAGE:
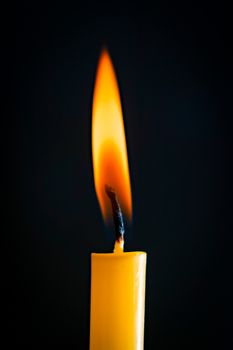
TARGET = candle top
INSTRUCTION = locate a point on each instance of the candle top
(114, 255)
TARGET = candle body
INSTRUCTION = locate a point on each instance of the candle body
(117, 301)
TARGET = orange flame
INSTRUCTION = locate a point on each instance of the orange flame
(109, 152)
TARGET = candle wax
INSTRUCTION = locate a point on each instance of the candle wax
(117, 300)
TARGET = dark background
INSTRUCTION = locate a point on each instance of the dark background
(173, 66)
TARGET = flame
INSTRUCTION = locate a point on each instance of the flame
(109, 152)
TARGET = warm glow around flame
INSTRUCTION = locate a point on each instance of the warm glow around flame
(109, 152)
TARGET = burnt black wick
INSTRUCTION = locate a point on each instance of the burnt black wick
(117, 213)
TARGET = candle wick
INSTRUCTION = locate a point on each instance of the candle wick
(117, 214)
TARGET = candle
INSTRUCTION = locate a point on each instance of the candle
(117, 278)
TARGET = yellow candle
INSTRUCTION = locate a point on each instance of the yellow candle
(117, 300)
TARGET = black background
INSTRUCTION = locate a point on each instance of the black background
(173, 67)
